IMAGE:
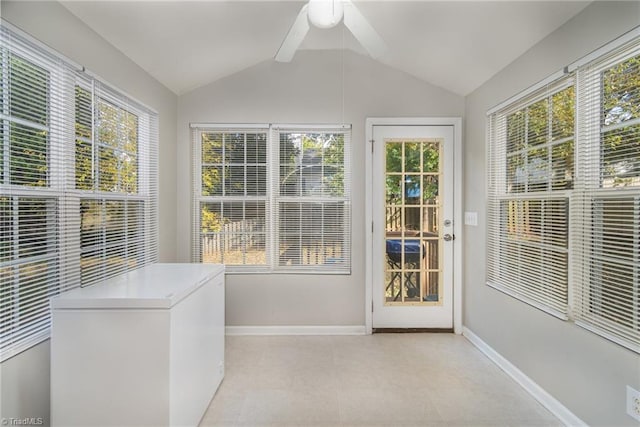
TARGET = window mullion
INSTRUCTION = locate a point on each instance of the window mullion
(68, 207)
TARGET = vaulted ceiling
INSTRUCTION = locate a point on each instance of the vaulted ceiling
(457, 45)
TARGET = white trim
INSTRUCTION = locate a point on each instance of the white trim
(552, 404)
(412, 121)
(368, 224)
(456, 122)
(234, 126)
(295, 330)
(458, 180)
(322, 126)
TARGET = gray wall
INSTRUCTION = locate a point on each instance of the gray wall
(586, 373)
(24, 388)
(308, 90)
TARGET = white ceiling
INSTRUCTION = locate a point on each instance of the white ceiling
(457, 45)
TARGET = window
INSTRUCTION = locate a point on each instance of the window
(310, 200)
(607, 276)
(111, 236)
(272, 198)
(110, 138)
(111, 163)
(532, 167)
(29, 265)
(73, 210)
(29, 221)
(25, 124)
(556, 229)
(231, 182)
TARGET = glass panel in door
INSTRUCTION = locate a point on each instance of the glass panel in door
(413, 271)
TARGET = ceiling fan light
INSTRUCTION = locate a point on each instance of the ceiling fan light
(325, 13)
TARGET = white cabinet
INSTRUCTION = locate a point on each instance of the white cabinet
(143, 348)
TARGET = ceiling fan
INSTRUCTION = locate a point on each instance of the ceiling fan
(328, 14)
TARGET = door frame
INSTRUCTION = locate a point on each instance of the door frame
(456, 122)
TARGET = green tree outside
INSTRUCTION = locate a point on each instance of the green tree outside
(621, 103)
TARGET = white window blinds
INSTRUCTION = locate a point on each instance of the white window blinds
(311, 197)
(50, 168)
(272, 198)
(116, 179)
(606, 212)
(564, 209)
(230, 196)
(531, 169)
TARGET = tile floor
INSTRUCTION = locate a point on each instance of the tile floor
(374, 380)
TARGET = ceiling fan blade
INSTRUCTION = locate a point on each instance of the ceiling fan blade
(363, 31)
(294, 37)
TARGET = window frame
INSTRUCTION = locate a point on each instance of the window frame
(199, 199)
(502, 274)
(16, 336)
(61, 229)
(102, 94)
(596, 211)
(272, 198)
(49, 66)
(596, 315)
(277, 198)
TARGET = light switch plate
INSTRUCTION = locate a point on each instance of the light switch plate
(471, 218)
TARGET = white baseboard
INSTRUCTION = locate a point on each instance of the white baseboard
(554, 406)
(296, 330)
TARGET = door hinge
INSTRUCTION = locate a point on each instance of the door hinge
(372, 226)
(371, 141)
(372, 306)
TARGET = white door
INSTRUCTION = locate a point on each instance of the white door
(412, 205)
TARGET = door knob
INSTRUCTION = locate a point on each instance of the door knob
(448, 237)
